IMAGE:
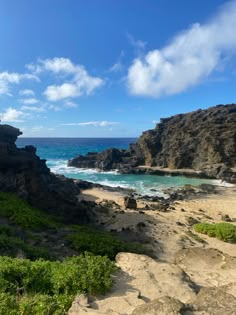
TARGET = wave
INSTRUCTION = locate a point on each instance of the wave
(61, 167)
(143, 184)
(219, 182)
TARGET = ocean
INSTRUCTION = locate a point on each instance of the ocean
(57, 151)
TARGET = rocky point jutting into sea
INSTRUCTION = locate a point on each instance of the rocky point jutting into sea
(200, 143)
(24, 173)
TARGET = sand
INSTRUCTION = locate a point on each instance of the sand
(180, 266)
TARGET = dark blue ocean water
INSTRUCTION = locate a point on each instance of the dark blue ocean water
(57, 151)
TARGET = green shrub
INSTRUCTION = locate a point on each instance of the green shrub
(21, 213)
(6, 230)
(12, 246)
(37, 304)
(223, 231)
(8, 304)
(86, 239)
(49, 287)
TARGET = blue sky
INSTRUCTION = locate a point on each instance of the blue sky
(108, 68)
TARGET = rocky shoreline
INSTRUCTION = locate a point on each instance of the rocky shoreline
(186, 273)
(24, 173)
(197, 144)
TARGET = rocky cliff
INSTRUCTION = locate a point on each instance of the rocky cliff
(203, 140)
(23, 172)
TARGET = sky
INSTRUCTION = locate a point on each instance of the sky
(108, 68)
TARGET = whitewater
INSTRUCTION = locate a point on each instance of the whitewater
(57, 151)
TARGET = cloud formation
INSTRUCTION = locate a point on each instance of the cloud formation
(188, 59)
(33, 108)
(26, 92)
(103, 123)
(12, 115)
(80, 83)
(7, 78)
(29, 101)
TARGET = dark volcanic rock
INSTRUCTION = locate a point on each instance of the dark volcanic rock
(203, 140)
(109, 159)
(23, 172)
(130, 203)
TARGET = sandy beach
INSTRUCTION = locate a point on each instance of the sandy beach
(169, 231)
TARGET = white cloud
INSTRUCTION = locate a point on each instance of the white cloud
(80, 83)
(70, 104)
(103, 123)
(58, 65)
(26, 92)
(55, 65)
(118, 66)
(33, 108)
(188, 59)
(138, 44)
(12, 115)
(29, 101)
(6, 79)
(59, 92)
(53, 107)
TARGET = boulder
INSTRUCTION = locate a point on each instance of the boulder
(130, 203)
(162, 306)
(214, 301)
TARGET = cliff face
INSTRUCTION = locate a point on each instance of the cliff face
(203, 140)
(23, 172)
(195, 140)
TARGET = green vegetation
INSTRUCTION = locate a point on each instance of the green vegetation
(12, 245)
(223, 231)
(21, 213)
(38, 285)
(100, 243)
(49, 287)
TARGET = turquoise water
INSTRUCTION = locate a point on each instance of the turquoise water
(57, 151)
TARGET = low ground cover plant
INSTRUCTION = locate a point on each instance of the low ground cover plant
(49, 287)
(22, 214)
(223, 231)
(100, 243)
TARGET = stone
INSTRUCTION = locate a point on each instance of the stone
(215, 301)
(130, 203)
(162, 306)
(226, 218)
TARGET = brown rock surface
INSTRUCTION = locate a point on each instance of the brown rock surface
(163, 306)
(203, 140)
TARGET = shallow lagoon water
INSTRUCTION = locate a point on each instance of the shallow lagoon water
(57, 151)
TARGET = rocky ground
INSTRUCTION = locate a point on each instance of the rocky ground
(189, 273)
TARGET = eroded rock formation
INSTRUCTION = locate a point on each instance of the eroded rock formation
(203, 140)
(23, 172)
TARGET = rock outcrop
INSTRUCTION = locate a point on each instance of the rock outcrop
(23, 172)
(203, 141)
(143, 286)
